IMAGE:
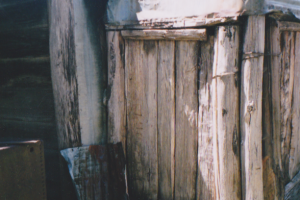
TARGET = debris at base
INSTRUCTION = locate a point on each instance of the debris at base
(97, 171)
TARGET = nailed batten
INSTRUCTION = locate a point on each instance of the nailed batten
(183, 34)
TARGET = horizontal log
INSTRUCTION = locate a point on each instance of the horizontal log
(288, 26)
(183, 34)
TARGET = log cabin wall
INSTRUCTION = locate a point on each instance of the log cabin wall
(26, 95)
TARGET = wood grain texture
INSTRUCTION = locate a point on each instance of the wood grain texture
(186, 54)
(24, 29)
(286, 99)
(65, 84)
(294, 155)
(272, 180)
(226, 113)
(205, 177)
(180, 34)
(141, 95)
(251, 108)
(166, 118)
(275, 65)
(116, 89)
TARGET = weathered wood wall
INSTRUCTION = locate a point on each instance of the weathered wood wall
(281, 88)
(176, 107)
(26, 95)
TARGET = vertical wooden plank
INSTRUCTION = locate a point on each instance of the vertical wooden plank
(275, 67)
(186, 54)
(116, 89)
(205, 175)
(65, 84)
(166, 119)
(273, 186)
(286, 99)
(226, 113)
(294, 155)
(141, 95)
(251, 107)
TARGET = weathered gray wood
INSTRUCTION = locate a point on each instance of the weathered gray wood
(116, 89)
(226, 113)
(90, 56)
(64, 78)
(180, 34)
(205, 174)
(251, 108)
(292, 189)
(183, 23)
(286, 98)
(288, 26)
(141, 96)
(294, 154)
(186, 55)
(166, 119)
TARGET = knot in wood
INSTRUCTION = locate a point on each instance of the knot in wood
(250, 107)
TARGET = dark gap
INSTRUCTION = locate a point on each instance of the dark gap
(243, 26)
(198, 103)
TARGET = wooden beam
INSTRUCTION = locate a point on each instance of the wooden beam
(78, 63)
(288, 26)
(181, 34)
(251, 108)
(226, 113)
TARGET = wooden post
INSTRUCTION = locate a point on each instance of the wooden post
(226, 113)
(77, 56)
(251, 108)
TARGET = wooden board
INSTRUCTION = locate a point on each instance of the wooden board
(141, 95)
(294, 155)
(288, 26)
(286, 98)
(226, 113)
(180, 34)
(205, 174)
(251, 108)
(116, 88)
(273, 186)
(166, 119)
(186, 54)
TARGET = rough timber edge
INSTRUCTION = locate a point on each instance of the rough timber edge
(191, 22)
